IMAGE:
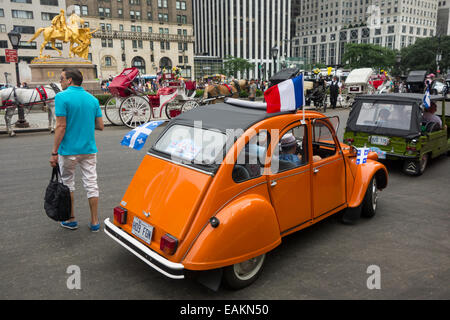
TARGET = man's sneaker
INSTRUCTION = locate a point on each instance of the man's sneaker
(70, 225)
(94, 227)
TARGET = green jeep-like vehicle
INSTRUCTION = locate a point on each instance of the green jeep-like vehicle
(392, 126)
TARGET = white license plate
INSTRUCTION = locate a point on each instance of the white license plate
(382, 141)
(142, 230)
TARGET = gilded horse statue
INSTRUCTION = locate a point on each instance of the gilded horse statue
(72, 33)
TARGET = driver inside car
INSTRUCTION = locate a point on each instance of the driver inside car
(289, 150)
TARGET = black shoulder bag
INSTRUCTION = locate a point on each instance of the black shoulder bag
(57, 202)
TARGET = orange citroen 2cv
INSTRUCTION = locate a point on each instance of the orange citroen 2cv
(222, 185)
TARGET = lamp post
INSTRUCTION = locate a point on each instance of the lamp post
(274, 52)
(398, 59)
(14, 38)
(438, 59)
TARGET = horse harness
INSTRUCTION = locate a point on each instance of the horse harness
(40, 91)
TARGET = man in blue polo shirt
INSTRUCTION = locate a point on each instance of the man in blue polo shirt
(78, 114)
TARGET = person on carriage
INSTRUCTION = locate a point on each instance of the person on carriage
(59, 24)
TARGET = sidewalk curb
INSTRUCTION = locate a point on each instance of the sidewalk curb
(19, 130)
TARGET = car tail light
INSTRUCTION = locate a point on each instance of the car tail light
(120, 215)
(411, 148)
(168, 244)
(350, 141)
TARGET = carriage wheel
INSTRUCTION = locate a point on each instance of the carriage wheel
(173, 109)
(187, 106)
(135, 111)
(112, 107)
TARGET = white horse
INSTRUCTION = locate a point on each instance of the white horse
(10, 98)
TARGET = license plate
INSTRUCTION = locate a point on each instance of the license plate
(354, 89)
(381, 154)
(382, 141)
(142, 230)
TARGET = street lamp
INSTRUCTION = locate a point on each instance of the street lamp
(14, 38)
(274, 52)
(398, 59)
(438, 59)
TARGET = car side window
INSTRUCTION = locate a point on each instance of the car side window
(323, 141)
(250, 162)
(291, 150)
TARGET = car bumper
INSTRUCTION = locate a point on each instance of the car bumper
(168, 268)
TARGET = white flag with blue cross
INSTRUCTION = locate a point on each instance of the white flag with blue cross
(427, 98)
(361, 156)
(135, 139)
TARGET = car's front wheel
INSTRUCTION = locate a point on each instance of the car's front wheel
(241, 275)
(369, 205)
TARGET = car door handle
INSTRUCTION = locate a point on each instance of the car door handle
(316, 170)
(273, 183)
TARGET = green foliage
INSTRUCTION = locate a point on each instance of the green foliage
(422, 55)
(102, 98)
(199, 93)
(365, 55)
(233, 65)
(259, 93)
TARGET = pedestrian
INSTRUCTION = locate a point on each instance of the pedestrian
(252, 90)
(334, 93)
(78, 114)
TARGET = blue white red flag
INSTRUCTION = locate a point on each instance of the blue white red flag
(426, 98)
(361, 156)
(135, 139)
(285, 96)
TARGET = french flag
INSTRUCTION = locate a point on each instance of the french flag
(285, 96)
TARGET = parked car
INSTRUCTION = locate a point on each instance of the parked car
(215, 199)
(392, 126)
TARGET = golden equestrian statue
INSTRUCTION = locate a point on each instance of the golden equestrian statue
(73, 33)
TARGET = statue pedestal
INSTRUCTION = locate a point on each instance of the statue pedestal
(47, 70)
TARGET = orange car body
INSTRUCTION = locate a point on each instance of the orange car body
(253, 216)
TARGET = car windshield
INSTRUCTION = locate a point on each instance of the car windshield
(393, 116)
(192, 144)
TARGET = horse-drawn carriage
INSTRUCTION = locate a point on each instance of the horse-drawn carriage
(131, 107)
(357, 83)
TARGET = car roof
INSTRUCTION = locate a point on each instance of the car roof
(400, 97)
(234, 114)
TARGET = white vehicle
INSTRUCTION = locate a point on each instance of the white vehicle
(358, 81)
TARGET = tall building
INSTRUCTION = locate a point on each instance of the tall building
(324, 27)
(246, 29)
(26, 17)
(443, 19)
(147, 34)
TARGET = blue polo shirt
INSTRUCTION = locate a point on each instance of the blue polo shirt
(80, 109)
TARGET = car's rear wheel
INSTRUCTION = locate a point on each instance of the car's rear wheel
(416, 167)
(369, 205)
(241, 275)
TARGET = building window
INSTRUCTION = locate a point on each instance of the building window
(24, 29)
(108, 61)
(49, 2)
(181, 19)
(47, 16)
(180, 5)
(163, 17)
(2, 28)
(149, 16)
(162, 3)
(84, 10)
(21, 14)
(21, 1)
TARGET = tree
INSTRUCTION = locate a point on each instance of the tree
(365, 55)
(233, 65)
(422, 55)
